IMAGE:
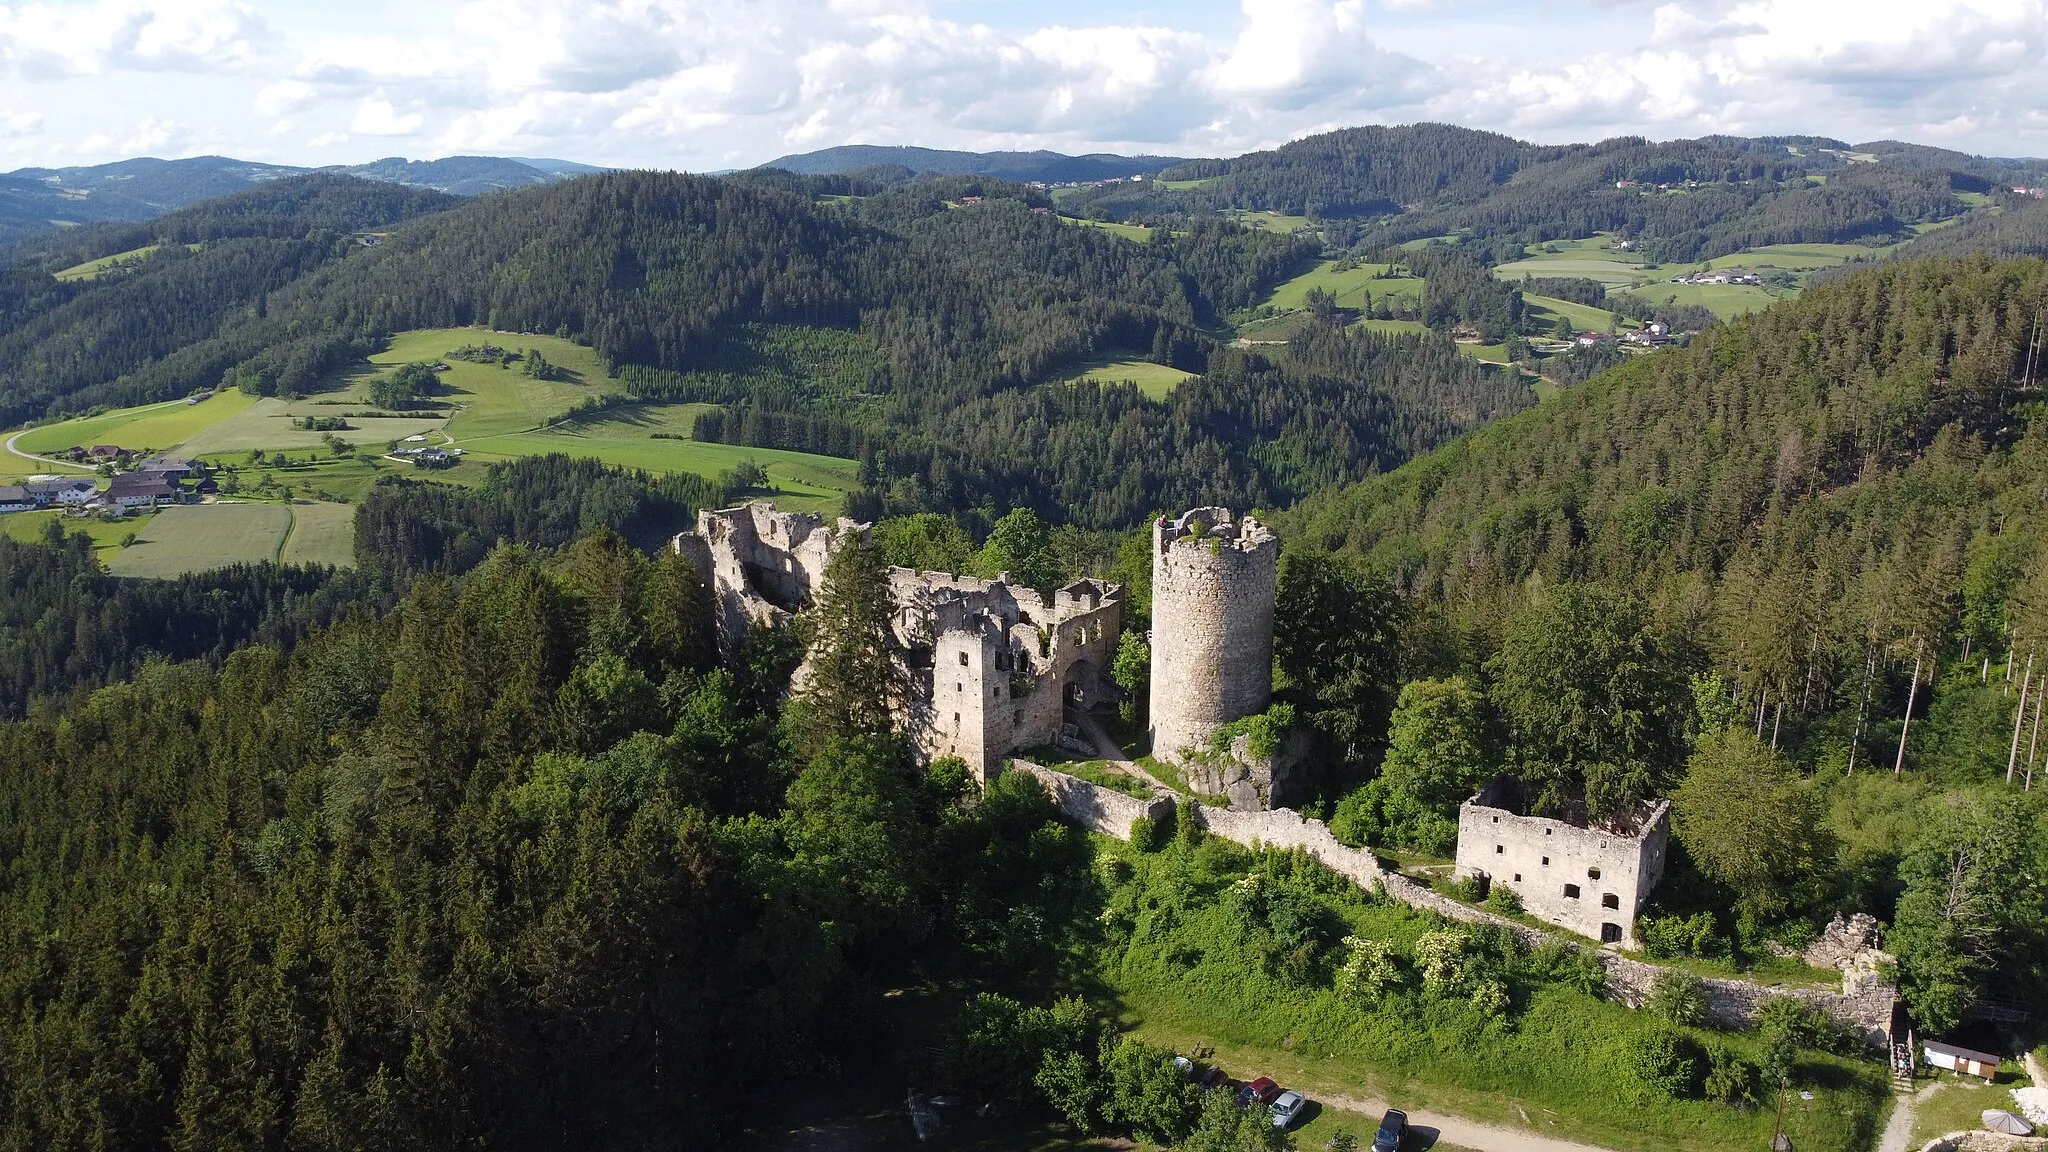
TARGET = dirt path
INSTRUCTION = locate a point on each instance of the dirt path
(1115, 755)
(43, 459)
(1463, 1133)
(1898, 1131)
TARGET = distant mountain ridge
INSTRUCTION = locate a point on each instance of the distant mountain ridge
(1050, 167)
(34, 200)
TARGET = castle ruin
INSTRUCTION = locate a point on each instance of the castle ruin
(1214, 583)
(993, 667)
(1571, 872)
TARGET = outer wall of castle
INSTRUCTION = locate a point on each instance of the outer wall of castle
(1213, 590)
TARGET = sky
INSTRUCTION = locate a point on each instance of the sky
(702, 85)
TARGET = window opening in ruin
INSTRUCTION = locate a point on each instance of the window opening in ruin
(1498, 849)
(963, 659)
(957, 687)
(956, 719)
(1571, 891)
(1592, 873)
(1610, 933)
(1609, 900)
(1546, 861)
(1547, 831)
(1518, 877)
(1496, 819)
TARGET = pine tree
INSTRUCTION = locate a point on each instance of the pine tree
(855, 685)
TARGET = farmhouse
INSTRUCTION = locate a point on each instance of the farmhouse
(1584, 876)
(72, 493)
(15, 498)
(142, 489)
(169, 467)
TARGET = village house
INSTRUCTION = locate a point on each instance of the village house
(169, 467)
(15, 498)
(70, 493)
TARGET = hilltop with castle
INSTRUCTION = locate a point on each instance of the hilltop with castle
(997, 668)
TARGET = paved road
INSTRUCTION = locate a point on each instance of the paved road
(1463, 1133)
(43, 459)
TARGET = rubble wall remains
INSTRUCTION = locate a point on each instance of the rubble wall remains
(1864, 1003)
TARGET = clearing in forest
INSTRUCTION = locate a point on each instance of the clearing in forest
(1350, 285)
(196, 537)
(1156, 381)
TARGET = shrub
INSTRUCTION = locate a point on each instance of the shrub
(1147, 1093)
(1675, 937)
(1371, 969)
(1679, 998)
(1503, 901)
(1732, 1078)
(1149, 835)
(1470, 889)
(1663, 1062)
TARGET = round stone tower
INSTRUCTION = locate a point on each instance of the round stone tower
(1213, 587)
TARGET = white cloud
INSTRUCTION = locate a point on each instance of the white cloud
(710, 83)
(46, 40)
(376, 117)
(19, 124)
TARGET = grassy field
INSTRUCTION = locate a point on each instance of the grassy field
(1957, 1104)
(800, 480)
(267, 424)
(1184, 185)
(91, 269)
(1155, 380)
(1723, 300)
(1590, 257)
(1490, 353)
(321, 533)
(105, 534)
(1267, 221)
(1394, 327)
(195, 537)
(161, 427)
(489, 400)
(1135, 232)
(1349, 286)
(1582, 317)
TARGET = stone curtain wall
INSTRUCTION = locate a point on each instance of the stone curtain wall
(1864, 1004)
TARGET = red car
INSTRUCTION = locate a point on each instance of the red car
(1215, 1078)
(1262, 1090)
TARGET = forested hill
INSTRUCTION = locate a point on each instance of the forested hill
(1867, 464)
(1051, 167)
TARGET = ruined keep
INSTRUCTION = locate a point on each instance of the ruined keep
(1213, 588)
(992, 667)
(1571, 872)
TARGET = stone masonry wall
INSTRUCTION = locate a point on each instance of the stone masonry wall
(1213, 588)
(1864, 1004)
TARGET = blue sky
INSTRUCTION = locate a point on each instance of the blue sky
(706, 84)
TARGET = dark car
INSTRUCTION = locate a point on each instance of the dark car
(1214, 1078)
(1262, 1090)
(1393, 1126)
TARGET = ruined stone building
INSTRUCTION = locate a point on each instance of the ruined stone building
(1571, 872)
(1214, 583)
(992, 667)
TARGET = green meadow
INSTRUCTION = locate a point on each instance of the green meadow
(1155, 380)
(195, 537)
(160, 427)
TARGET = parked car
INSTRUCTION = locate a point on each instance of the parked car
(1262, 1090)
(1393, 1126)
(1287, 1107)
(1215, 1077)
(1185, 1067)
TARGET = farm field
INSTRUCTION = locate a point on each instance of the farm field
(1135, 232)
(1267, 221)
(1590, 257)
(1350, 286)
(196, 537)
(490, 400)
(1184, 185)
(1582, 316)
(321, 533)
(800, 480)
(1490, 353)
(105, 534)
(1723, 300)
(160, 427)
(267, 424)
(91, 269)
(1155, 380)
